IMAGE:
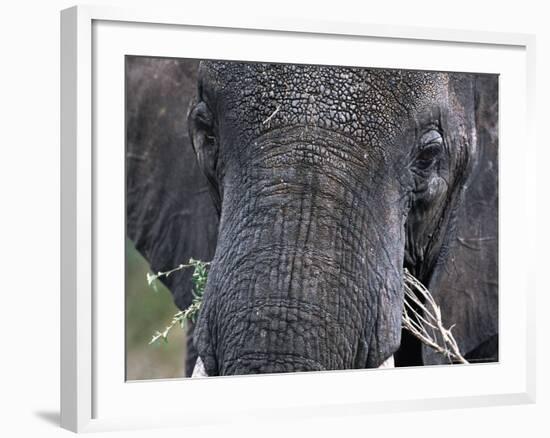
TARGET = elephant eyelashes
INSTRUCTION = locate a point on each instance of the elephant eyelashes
(430, 150)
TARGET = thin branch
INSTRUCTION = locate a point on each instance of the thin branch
(416, 323)
(199, 277)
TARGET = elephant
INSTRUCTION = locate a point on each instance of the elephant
(311, 188)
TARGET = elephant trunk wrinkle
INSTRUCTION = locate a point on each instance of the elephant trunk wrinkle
(272, 328)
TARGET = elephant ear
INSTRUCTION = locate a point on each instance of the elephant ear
(170, 214)
(466, 284)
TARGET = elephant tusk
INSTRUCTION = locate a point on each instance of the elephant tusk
(388, 363)
(199, 371)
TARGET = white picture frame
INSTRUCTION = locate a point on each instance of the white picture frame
(93, 397)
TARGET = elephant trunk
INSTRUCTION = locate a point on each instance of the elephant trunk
(302, 279)
(278, 303)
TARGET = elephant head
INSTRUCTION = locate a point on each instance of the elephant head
(321, 184)
(328, 182)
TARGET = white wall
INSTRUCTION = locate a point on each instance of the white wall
(29, 242)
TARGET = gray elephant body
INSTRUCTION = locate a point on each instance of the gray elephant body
(328, 181)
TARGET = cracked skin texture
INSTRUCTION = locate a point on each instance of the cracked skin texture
(324, 185)
(317, 174)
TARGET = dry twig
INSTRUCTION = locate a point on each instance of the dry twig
(426, 322)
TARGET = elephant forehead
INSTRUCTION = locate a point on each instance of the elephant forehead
(363, 103)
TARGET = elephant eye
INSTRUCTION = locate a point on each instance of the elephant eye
(428, 156)
(431, 145)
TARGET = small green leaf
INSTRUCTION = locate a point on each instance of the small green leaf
(199, 279)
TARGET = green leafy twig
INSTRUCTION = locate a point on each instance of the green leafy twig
(199, 278)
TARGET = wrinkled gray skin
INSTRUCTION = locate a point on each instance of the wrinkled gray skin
(328, 181)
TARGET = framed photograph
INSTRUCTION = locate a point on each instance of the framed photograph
(264, 207)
